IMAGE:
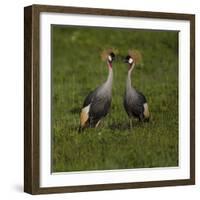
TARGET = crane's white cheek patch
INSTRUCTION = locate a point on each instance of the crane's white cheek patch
(130, 60)
(146, 110)
(84, 115)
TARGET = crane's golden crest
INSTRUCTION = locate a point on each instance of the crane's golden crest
(105, 53)
(136, 55)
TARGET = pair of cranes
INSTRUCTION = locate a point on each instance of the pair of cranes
(98, 102)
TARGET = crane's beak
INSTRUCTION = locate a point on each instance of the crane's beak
(119, 58)
(125, 60)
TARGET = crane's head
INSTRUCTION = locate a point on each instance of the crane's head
(128, 59)
(134, 57)
(108, 55)
(111, 57)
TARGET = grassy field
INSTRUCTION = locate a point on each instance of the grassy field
(77, 68)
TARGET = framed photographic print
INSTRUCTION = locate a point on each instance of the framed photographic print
(109, 99)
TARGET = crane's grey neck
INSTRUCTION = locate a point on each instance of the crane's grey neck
(108, 83)
(128, 81)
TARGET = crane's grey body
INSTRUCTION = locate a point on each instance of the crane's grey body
(135, 102)
(97, 104)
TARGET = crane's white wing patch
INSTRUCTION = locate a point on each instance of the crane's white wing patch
(84, 115)
(146, 110)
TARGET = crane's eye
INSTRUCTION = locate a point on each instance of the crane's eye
(130, 60)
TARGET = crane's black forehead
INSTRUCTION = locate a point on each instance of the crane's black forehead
(127, 57)
(112, 54)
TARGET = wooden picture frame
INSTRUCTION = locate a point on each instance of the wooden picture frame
(32, 98)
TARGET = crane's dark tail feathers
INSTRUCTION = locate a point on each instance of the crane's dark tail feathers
(147, 119)
(142, 118)
(88, 125)
(81, 129)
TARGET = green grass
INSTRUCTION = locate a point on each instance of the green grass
(77, 68)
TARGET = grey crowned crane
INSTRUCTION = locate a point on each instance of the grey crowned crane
(97, 104)
(135, 102)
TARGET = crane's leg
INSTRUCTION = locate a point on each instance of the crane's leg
(97, 124)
